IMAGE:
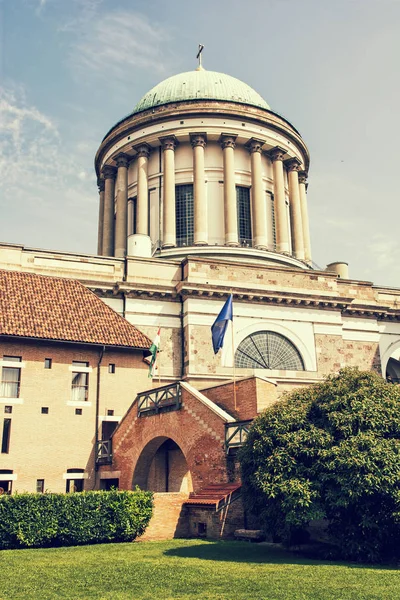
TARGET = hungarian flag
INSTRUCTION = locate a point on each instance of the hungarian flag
(151, 354)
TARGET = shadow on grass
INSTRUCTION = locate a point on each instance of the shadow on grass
(243, 552)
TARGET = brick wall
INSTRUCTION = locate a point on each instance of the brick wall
(44, 446)
(221, 524)
(252, 396)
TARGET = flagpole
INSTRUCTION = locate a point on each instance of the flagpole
(158, 367)
(234, 370)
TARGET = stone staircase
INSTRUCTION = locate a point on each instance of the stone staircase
(169, 518)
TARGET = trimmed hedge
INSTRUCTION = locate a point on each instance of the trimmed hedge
(38, 520)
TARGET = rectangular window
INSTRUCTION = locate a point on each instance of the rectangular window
(132, 209)
(8, 409)
(47, 363)
(273, 220)
(39, 486)
(78, 411)
(184, 215)
(111, 368)
(5, 441)
(10, 378)
(45, 410)
(243, 214)
(110, 412)
(80, 382)
(74, 485)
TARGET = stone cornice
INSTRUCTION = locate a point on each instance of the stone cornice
(266, 296)
(348, 306)
(195, 108)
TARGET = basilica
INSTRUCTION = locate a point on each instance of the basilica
(202, 194)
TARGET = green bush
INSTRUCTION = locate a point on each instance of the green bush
(330, 451)
(37, 520)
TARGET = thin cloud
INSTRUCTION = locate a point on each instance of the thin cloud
(117, 43)
(42, 177)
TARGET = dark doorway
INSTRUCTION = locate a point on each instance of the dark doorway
(107, 484)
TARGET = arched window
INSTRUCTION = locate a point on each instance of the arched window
(268, 350)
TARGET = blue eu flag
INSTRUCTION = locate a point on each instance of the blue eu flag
(220, 324)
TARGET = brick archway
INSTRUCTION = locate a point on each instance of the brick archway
(162, 467)
(197, 428)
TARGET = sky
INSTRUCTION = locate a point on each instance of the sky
(70, 69)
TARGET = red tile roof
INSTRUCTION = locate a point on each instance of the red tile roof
(54, 308)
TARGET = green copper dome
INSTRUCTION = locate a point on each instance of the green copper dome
(200, 85)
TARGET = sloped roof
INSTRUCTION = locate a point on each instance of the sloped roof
(54, 308)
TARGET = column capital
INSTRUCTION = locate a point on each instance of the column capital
(121, 159)
(198, 139)
(255, 145)
(277, 153)
(227, 140)
(142, 150)
(293, 164)
(109, 172)
(303, 177)
(168, 142)
(101, 184)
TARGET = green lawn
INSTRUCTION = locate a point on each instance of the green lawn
(183, 569)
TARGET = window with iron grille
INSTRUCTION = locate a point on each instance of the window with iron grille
(80, 382)
(268, 350)
(10, 378)
(184, 215)
(272, 219)
(243, 214)
(5, 440)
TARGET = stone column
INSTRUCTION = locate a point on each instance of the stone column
(304, 215)
(228, 143)
(169, 213)
(100, 184)
(293, 167)
(142, 202)
(199, 141)
(281, 222)
(258, 201)
(109, 173)
(122, 205)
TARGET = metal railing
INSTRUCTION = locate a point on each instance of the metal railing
(236, 434)
(104, 452)
(160, 399)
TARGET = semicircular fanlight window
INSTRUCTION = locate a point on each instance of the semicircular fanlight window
(268, 350)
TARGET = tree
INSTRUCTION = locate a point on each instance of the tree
(330, 451)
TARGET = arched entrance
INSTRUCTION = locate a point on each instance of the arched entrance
(393, 370)
(162, 467)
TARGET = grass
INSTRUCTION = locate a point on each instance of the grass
(185, 569)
